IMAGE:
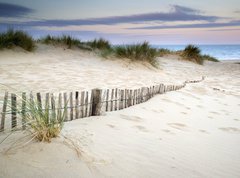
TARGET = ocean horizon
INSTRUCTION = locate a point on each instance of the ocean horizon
(221, 52)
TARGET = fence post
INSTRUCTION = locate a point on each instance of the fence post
(53, 106)
(71, 105)
(107, 97)
(65, 106)
(116, 99)
(112, 96)
(76, 105)
(60, 113)
(86, 105)
(14, 110)
(47, 105)
(4, 111)
(82, 104)
(39, 101)
(96, 102)
(24, 110)
(121, 100)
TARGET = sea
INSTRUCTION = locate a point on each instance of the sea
(221, 52)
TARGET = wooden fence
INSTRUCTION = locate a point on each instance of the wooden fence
(77, 104)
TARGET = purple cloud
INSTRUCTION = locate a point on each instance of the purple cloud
(202, 25)
(11, 10)
(178, 13)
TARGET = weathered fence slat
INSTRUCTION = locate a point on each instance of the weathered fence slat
(82, 104)
(39, 101)
(129, 97)
(65, 106)
(60, 106)
(47, 105)
(76, 105)
(107, 98)
(96, 102)
(5, 100)
(90, 105)
(24, 98)
(53, 106)
(86, 105)
(121, 100)
(112, 98)
(116, 98)
(14, 110)
(71, 105)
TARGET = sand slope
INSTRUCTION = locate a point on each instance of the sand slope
(193, 132)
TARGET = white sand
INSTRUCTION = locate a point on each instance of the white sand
(193, 132)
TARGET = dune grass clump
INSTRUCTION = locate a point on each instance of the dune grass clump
(137, 52)
(64, 40)
(12, 38)
(192, 53)
(43, 124)
(209, 58)
(100, 44)
(163, 52)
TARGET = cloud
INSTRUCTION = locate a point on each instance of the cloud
(178, 13)
(203, 25)
(237, 11)
(11, 10)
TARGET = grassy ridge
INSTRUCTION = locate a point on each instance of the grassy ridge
(135, 52)
(19, 38)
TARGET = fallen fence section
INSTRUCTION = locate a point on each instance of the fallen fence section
(77, 104)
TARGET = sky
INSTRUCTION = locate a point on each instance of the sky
(127, 21)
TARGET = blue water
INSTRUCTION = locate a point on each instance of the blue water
(221, 52)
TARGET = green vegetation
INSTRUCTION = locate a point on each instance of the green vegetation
(100, 44)
(43, 124)
(163, 51)
(19, 38)
(209, 58)
(64, 40)
(137, 52)
(192, 53)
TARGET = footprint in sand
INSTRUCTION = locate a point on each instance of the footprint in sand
(184, 113)
(178, 126)
(204, 131)
(168, 131)
(230, 129)
(236, 119)
(131, 118)
(111, 126)
(200, 106)
(141, 128)
(213, 112)
(155, 111)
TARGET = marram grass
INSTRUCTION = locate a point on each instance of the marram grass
(12, 38)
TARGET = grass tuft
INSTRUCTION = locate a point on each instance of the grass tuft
(12, 38)
(192, 53)
(163, 52)
(209, 58)
(137, 52)
(100, 44)
(44, 124)
(64, 40)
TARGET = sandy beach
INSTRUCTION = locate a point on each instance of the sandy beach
(192, 132)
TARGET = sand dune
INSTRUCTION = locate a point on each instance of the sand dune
(193, 132)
